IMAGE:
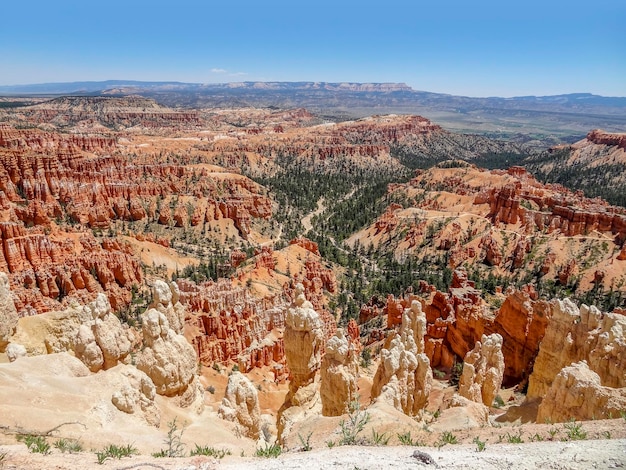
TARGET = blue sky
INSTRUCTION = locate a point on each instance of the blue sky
(473, 48)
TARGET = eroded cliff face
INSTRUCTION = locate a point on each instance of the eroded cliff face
(577, 393)
(46, 270)
(575, 334)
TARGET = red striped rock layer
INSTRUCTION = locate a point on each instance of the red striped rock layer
(40, 181)
(44, 270)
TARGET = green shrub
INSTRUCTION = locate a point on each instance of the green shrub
(306, 443)
(173, 441)
(480, 445)
(208, 451)
(114, 451)
(380, 439)
(71, 446)
(35, 444)
(406, 439)
(269, 451)
(447, 438)
(575, 431)
(355, 423)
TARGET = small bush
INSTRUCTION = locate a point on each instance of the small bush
(498, 402)
(173, 441)
(514, 438)
(70, 446)
(447, 438)
(208, 451)
(455, 374)
(115, 452)
(351, 428)
(269, 451)
(480, 445)
(35, 444)
(380, 439)
(366, 358)
(406, 439)
(575, 431)
(211, 389)
(306, 443)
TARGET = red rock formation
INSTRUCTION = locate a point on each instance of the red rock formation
(598, 136)
(227, 324)
(306, 244)
(522, 324)
(45, 269)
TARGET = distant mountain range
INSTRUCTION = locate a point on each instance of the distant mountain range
(524, 118)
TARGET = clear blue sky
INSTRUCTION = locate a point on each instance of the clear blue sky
(473, 48)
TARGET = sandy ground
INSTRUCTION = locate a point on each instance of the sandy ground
(583, 455)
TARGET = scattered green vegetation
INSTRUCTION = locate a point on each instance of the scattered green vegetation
(305, 443)
(114, 451)
(70, 446)
(514, 438)
(379, 439)
(498, 402)
(574, 431)
(406, 439)
(269, 451)
(480, 445)
(35, 444)
(209, 452)
(354, 425)
(447, 437)
(173, 441)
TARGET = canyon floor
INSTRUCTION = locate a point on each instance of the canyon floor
(583, 455)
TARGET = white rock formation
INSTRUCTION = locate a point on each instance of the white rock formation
(404, 377)
(8, 313)
(338, 384)
(303, 339)
(167, 358)
(575, 335)
(14, 351)
(110, 337)
(136, 396)
(483, 370)
(165, 299)
(241, 405)
(576, 393)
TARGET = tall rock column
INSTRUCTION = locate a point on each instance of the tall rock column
(483, 370)
(404, 377)
(303, 339)
(168, 359)
(338, 386)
